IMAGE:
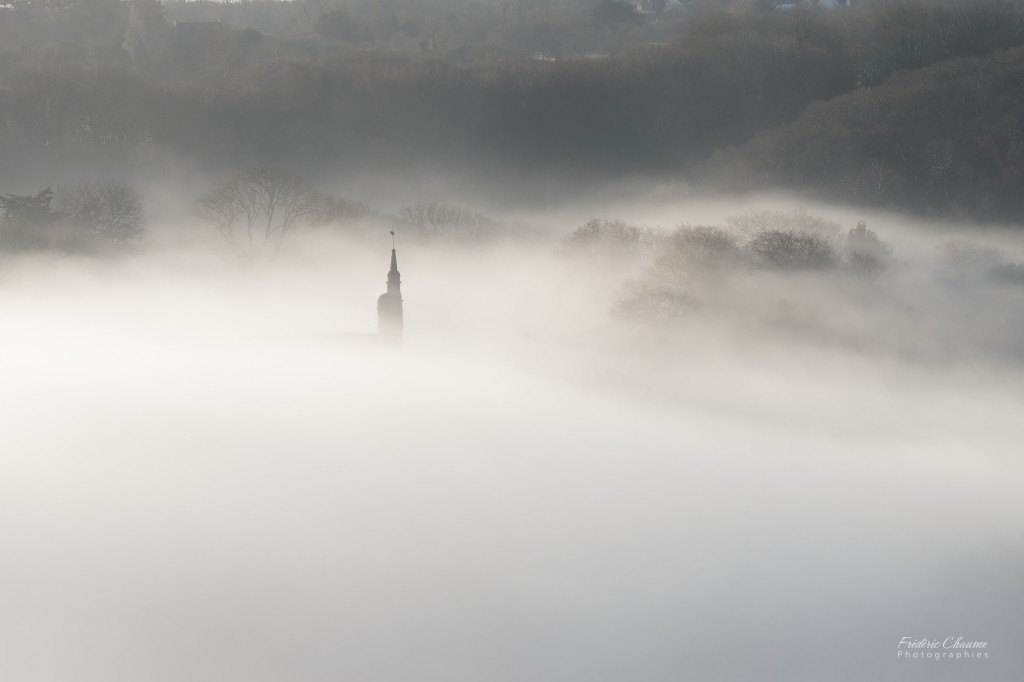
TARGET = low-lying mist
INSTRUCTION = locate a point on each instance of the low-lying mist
(588, 461)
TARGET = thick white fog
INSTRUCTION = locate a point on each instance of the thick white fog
(206, 476)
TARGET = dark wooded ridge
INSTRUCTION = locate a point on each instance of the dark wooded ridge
(894, 103)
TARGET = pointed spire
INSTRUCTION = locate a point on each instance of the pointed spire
(394, 277)
(389, 305)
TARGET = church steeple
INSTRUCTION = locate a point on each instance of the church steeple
(394, 277)
(389, 305)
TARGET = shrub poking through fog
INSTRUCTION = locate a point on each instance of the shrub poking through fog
(653, 304)
(969, 260)
(1008, 273)
(610, 238)
(797, 221)
(789, 240)
(865, 256)
(696, 248)
(448, 223)
(788, 250)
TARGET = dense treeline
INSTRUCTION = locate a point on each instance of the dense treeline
(95, 217)
(945, 139)
(651, 108)
(105, 81)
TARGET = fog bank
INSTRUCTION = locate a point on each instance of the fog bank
(203, 482)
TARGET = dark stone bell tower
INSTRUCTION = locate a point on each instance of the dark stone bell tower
(389, 305)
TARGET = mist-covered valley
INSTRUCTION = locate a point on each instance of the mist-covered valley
(605, 449)
(556, 340)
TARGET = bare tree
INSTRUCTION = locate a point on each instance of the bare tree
(111, 211)
(792, 240)
(504, 6)
(446, 222)
(335, 209)
(253, 210)
(747, 226)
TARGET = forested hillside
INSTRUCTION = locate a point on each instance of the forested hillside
(946, 139)
(889, 102)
